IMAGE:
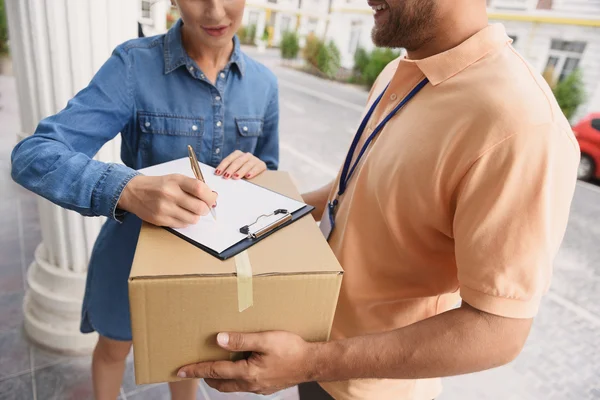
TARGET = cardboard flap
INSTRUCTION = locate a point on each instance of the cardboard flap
(161, 253)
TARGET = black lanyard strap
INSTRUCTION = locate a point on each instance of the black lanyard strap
(348, 170)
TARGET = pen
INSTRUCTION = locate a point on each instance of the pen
(198, 173)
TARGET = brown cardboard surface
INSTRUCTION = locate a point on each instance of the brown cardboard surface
(181, 297)
(271, 255)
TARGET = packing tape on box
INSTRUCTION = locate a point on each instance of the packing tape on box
(243, 270)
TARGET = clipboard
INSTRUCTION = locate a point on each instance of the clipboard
(282, 219)
(247, 213)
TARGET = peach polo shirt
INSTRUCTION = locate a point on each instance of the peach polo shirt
(464, 194)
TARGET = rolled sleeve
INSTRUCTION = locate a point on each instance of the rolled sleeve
(56, 162)
(109, 188)
(510, 218)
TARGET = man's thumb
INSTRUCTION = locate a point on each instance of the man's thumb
(240, 341)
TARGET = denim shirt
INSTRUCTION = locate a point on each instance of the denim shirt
(157, 97)
(152, 92)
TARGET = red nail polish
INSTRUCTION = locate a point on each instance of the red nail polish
(227, 175)
(248, 176)
(236, 175)
(217, 172)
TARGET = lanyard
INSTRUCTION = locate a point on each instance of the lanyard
(348, 170)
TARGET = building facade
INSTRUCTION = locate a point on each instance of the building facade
(153, 16)
(555, 36)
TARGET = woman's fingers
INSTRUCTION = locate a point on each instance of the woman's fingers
(197, 189)
(174, 216)
(227, 162)
(257, 169)
(246, 168)
(236, 164)
(192, 204)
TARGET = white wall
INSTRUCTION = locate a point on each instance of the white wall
(340, 31)
(586, 7)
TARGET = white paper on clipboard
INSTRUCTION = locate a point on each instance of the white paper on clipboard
(240, 203)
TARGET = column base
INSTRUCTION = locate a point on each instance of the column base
(52, 307)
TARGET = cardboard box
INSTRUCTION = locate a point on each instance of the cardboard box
(181, 297)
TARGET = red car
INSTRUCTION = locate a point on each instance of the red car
(587, 132)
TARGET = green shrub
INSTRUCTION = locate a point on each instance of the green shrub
(378, 59)
(3, 29)
(311, 50)
(361, 60)
(290, 45)
(328, 59)
(247, 34)
(570, 93)
(251, 34)
(242, 33)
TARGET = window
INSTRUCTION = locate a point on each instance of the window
(544, 5)
(596, 124)
(355, 31)
(253, 18)
(285, 24)
(146, 5)
(312, 25)
(564, 57)
(513, 4)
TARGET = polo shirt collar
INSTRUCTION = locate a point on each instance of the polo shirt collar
(443, 66)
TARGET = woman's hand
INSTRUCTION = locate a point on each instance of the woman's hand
(240, 165)
(172, 200)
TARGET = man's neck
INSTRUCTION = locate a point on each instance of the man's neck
(453, 29)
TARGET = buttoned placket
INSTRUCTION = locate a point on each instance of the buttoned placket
(218, 120)
(219, 116)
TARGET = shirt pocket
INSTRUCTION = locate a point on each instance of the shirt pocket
(249, 131)
(165, 137)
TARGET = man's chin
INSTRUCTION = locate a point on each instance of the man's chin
(380, 39)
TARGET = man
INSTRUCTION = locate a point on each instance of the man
(465, 193)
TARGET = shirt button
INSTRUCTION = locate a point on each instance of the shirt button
(218, 98)
(218, 123)
(202, 76)
(147, 124)
(217, 151)
(393, 96)
(191, 69)
(222, 75)
(245, 129)
(194, 127)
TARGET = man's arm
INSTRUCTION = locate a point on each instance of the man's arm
(318, 199)
(456, 342)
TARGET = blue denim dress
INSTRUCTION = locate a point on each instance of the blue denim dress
(152, 92)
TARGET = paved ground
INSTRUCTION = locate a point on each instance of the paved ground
(562, 356)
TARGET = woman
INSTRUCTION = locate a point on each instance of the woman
(192, 86)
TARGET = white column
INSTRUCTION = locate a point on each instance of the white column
(57, 46)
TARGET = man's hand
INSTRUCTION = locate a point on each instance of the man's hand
(318, 199)
(171, 200)
(279, 360)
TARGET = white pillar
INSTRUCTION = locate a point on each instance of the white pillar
(57, 46)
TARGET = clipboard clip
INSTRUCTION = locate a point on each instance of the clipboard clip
(269, 228)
